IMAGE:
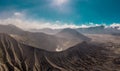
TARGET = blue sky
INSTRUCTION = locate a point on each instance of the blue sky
(67, 11)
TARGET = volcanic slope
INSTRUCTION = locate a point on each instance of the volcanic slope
(70, 37)
(31, 38)
(15, 56)
(72, 34)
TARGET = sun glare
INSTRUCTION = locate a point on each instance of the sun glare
(60, 2)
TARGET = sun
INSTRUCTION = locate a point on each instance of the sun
(61, 6)
(60, 2)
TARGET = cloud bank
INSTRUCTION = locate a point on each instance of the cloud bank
(19, 19)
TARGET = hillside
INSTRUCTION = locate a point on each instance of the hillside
(72, 34)
(31, 38)
(11, 29)
(71, 37)
(42, 40)
(82, 57)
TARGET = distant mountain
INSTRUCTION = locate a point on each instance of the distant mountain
(72, 34)
(40, 40)
(98, 30)
(15, 56)
(10, 29)
(70, 37)
(115, 27)
(116, 34)
(63, 40)
(46, 30)
(91, 30)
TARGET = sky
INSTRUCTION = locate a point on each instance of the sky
(60, 13)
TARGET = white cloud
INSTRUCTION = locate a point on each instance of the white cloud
(18, 14)
(30, 24)
(115, 25)
(20, 21)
